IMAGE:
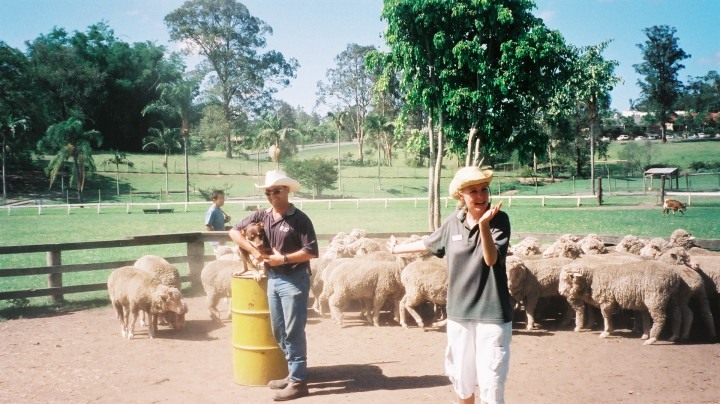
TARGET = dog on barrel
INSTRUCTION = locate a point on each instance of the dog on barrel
(255, 234)
(674, 206)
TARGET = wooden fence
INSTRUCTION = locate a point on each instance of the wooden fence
(195, 258)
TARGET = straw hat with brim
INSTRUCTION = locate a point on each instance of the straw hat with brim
(275, 178)
(466, 177)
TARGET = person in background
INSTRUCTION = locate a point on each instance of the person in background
(215, 217)
(292, 236)
(475, 241)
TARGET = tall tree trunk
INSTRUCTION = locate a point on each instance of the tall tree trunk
(438, 168)
(550, 159)
(431, 174)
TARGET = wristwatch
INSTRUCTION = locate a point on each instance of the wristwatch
(285, 259)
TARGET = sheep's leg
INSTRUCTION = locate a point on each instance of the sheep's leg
(212, 300)
(579, 308)
(121, 317)
(335, 311)
(607, 312)
(143, 323)
(687, 319)
(152, 324)
(646, 324)
(378, 302)
(409, 306)
(530, 312)
(658, 318)
(707, 317)
(403, 316)
(367, 310)
(228, 316)
(131, 328)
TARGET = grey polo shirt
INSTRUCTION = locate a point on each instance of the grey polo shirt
(476, 291)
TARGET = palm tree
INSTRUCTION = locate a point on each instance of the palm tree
(176, 100)
(166, 140)
(275, 135)
(377, 127)
(338, 119)
(117, 159)
(70, 141)
(8, 126)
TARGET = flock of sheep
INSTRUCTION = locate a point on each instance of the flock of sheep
(659, 281)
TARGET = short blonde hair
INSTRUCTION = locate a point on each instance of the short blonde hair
(468, 176)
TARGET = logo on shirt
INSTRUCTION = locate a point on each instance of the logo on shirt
(457, 237)
(284, 228)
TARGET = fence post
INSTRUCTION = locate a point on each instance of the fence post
(196, 261)
(54, 258)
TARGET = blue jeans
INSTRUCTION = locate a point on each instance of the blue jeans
(288, 301)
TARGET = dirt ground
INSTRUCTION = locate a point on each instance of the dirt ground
(80, 358)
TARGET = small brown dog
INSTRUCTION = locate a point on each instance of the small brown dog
(674, 205)
(255, 234)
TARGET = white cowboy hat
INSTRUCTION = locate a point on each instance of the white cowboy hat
(467, 176)
(275, 178)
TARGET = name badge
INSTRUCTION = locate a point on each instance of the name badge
(457, 237)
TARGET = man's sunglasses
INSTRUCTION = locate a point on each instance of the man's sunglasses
(273, 192)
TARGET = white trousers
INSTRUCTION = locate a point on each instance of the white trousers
(478, 355)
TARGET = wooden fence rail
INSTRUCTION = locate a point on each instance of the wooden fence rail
(195, 258)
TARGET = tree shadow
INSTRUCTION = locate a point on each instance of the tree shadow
(353, 378)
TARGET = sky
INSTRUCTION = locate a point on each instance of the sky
(315, 31)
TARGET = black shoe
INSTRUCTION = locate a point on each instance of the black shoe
(279, 384)
(292, 391)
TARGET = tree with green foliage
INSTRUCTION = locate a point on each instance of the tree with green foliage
(280, 139)
(377, 128)
(480, 69)
(166, 140)
(176, 100)
(118, 159)
(349, 88)
(592, 80)
(9, 124)
(230, 38)
(69, 140)
(315, 173)
(660, 87)
(338, 119)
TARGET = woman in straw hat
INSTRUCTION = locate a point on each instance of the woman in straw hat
(479, 329)
(292, 236)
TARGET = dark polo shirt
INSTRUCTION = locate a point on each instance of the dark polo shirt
(293, 232)
(476, 292)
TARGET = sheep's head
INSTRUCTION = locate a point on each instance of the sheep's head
(516, 273)
(675, 256)
(573, 283)
(173, 301)
(681, 238)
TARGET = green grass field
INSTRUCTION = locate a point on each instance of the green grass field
(621, 214)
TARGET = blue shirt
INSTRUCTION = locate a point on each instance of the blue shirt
(215, 218)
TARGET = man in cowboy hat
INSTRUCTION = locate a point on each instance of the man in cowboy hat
(292, 237)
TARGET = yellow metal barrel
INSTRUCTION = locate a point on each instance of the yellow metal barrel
(257, 358)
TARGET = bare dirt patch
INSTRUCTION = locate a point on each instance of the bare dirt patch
(80, 358)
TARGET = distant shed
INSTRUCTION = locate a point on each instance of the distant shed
(667, 172)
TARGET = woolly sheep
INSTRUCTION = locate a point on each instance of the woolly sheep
(630, 244)
(644, 285)
(317, 267)
(168, 275)
(683, 239)
(132, 290)
(709, 268)
(654, 248)
(370, 282)
(692, 288)
(564, 246)
(216, 278)
(528, 246)
(423, 281)
(592, 244)
(532, 279)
